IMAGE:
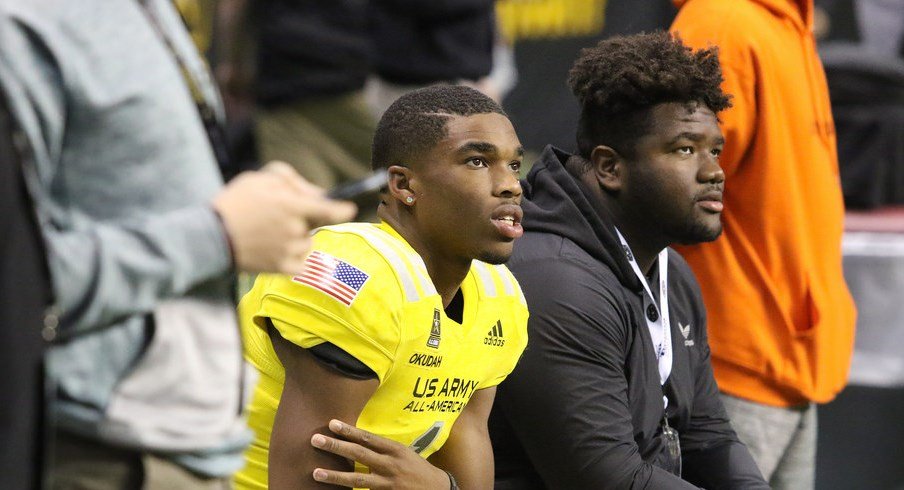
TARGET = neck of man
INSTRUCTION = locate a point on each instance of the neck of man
(446, 273)
(447, 276)
(645, 242)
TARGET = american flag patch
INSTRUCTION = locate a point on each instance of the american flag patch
(339, 279)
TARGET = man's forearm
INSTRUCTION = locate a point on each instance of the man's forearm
(727, 465)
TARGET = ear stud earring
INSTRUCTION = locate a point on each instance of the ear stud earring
(409, 199)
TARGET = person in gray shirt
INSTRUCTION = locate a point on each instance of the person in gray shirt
(142, 240)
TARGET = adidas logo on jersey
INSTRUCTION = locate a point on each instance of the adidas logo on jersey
(494, 336)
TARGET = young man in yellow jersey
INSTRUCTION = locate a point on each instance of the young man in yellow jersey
(404, 327)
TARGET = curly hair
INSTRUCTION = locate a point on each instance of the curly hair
(618, 82)
(416, 122)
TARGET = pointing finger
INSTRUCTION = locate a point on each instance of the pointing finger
(364, 438)
(348, 450)
(347, 479)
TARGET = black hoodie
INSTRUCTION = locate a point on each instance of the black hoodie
(584, 407)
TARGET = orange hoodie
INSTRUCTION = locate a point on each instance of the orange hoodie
(781, 320)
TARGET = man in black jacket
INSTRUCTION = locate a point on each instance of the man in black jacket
(615, 389)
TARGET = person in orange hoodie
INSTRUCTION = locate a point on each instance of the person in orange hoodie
(781, 318)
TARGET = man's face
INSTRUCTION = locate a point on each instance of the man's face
(675, 182)
(468, 194)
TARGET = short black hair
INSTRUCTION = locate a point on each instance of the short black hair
(618, 82)
(416, 122)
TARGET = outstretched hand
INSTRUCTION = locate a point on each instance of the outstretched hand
(391, 464)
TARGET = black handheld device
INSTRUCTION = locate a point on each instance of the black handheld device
(357, 190)
(365, 193)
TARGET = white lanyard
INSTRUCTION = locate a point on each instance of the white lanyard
(660, 330)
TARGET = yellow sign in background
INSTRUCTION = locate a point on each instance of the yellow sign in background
(535, 19)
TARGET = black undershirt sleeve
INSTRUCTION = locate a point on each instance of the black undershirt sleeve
(336, 359)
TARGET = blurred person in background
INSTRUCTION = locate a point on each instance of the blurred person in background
(420, 43)
(306, 68)
(780, 314)
(142, 240)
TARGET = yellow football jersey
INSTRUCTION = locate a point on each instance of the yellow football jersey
(367, 291)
